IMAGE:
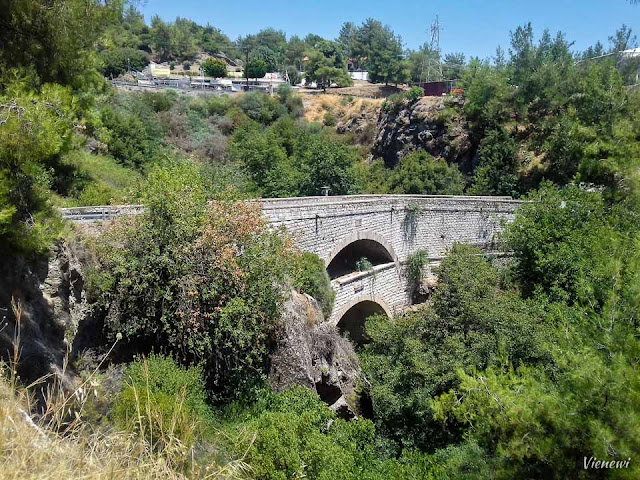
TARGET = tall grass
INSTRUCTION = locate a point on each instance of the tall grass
(57, 443)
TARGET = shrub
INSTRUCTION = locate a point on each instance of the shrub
(294, 435)
(202, 283)
(163, 402)
(415, 268)
(414, 94)
(329, 120)
(420, 173)
(261, 107)
(471, 323)
(310, 277)
(364, 265)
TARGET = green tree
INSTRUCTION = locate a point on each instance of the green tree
(419, 173)
(385, 56)
(255, 69)
(326, 65)
(214, 67)
(311, 277)
(326, 163)
(36, 130)
(497, 171)
(160, 36)
(118, 61)
(55, 38)
(412, 359)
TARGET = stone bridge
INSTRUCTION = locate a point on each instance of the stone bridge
(384, 229)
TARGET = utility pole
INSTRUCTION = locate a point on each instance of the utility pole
(246, 64)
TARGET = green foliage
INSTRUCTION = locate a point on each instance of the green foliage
(497, 171)
(487, 94)
(288, 160)
(100, 180)
(255, 69)
(162, 400)
(329, 120)
(290, 100)
(292, 434)
(364, 265)
(214, 67)
(310, 277)
(419, 173)
(173, 281)
(414, 93)
(326, 65)
(415, 268)
(118, 61)
(564, 243)
(54, 39)
(413, 358)
(376, 48)
(36, 130)
(261, 107)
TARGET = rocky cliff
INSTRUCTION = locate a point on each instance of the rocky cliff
(433, 124)
(48, 297)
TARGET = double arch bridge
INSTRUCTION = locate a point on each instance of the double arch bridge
(384, 229)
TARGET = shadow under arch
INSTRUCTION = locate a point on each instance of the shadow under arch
(370, 245)
(352, 316)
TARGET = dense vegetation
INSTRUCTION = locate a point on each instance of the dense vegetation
(517, 370)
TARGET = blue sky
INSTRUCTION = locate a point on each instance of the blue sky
(474, 27)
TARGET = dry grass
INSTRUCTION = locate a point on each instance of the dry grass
(58, 444)
(315, 106)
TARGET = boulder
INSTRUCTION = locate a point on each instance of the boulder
(314, 354)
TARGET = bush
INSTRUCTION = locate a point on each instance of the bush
(310, 277)
(294, 435)
(364, 265)
(329, 120)
(174, 280)
(261, 107)
(497, 171)
(420, 173)
(163, 402)
(414, 94)
(471, 324)
(415, 268)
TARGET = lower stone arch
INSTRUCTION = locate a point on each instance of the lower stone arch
(352, 316)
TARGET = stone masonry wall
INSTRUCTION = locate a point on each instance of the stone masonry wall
(401, 223)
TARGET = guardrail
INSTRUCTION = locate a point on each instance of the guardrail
(99, 213)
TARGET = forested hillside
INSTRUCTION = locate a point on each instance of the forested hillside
(149, 351)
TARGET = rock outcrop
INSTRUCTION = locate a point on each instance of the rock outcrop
(433, 124)
(315, 355)
(50, 298)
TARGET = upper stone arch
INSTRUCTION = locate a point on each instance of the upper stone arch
(361, 235)
(343, 258)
